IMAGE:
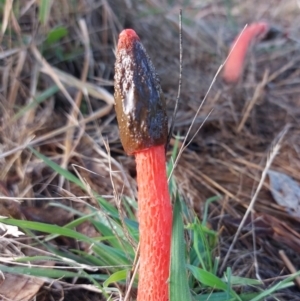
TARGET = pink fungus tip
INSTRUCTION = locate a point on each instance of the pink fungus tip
(234, 65)
(126, 38)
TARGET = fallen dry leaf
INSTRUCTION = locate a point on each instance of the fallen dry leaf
(285, 191)
(19, 287)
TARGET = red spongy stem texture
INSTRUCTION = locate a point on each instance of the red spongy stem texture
(235, 63)
(155, 224)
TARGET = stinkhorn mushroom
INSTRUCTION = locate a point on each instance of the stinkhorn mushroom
(141, 114)
(234, 65)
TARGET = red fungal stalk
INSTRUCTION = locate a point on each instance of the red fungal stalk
(235, 63)
(141, 114)
(155, 224)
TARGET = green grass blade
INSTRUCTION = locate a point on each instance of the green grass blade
(47, 228)
(288, 282)
(221, 296)
(214, 297)
(56, 34)
(37, 258)
(204, 241)
(37, 100)
(216, 265)
(91, 259)
(179, 288)
(43, 272)
(210, 280)
(206, 206)
(207, 278)
(44, 11)
(228, 276)
(235, 280)
(67, 175)
(111, 256)
(70, 177)
(197, 243)
(116, 277)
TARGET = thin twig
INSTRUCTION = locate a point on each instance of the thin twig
(132, 280)
(5, 19)
(290, 266)
(271, 156)
(14, 88)
(69, 144)
(30, 141)
(256, 266)
(249, 106)
(184, 145)
(180, 81)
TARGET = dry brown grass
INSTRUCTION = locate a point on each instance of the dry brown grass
(225, 158)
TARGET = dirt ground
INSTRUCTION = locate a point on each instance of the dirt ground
(232, 145)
